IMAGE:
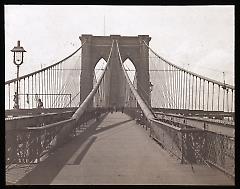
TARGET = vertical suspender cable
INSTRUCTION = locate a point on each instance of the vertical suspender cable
(175, 88)
(19, 89)
(35, 87)
(213, 97)
(196, 95)
(53, 86)
(42, 85)
(28, 94)
(164, 88)
(223, 99)
(186, 81)
(189, 91)
(24, 93)
(168, 86)
(9, 97)
(58, 100)
(57, 84)
(171, 82)
(179, 89)
(192, 89)
(32, 91)
(227, 104)
(218, 95)
(19, 92)
(203, 92)
(50, 86)
(184, 90)
(232, 102)
(199, 105)
(207, 95)
(39, 92)
(47, 86)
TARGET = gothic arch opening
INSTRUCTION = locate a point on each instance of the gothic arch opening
(98, 70)
(131, 70)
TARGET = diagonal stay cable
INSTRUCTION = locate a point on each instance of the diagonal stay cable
(90, 96)
(147, 112)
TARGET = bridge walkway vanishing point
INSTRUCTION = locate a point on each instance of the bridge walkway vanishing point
(116, 150)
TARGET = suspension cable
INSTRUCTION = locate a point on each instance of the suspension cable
(90, 96)
(195, 74)
(147, 112)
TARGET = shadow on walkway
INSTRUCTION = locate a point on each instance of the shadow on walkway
(47, 170)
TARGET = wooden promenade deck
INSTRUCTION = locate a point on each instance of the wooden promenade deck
(117, 151)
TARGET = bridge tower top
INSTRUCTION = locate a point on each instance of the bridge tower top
(132, 48)
(125, 40)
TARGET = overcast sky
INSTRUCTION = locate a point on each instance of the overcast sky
(200, 38)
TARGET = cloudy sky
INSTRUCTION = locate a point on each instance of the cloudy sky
(200, 38)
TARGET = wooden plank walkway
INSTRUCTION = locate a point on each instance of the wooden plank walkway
(117, 151)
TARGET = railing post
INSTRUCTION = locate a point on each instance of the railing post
(150, 128)
(14, 145)
(183, 148)
(38, 138)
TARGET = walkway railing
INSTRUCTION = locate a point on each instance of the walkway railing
(195, 146)
(35, 111)
(27, 137)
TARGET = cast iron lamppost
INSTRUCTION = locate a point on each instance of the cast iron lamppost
(17, 60)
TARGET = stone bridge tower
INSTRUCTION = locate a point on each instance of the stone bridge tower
(132, 47)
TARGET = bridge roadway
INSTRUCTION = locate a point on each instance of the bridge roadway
(117, 151)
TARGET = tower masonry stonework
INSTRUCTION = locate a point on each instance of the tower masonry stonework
(132, 48)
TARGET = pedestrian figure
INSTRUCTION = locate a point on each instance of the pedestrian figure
(97, 114)
(28, 98)
(15, 100)
(122, 109)
(40, 103)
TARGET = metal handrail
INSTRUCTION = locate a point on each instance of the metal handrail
(50, 125)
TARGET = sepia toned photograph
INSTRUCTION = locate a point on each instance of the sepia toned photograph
(119, 95)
